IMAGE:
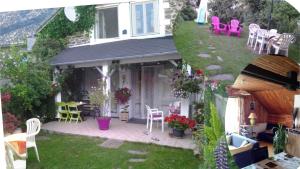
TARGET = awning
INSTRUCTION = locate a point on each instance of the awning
(120, 50)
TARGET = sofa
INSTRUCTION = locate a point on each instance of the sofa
(247, 154)
(237, 143)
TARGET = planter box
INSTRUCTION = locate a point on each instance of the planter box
(124, 116)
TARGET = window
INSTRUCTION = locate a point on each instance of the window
(144, 18)
(107, 23)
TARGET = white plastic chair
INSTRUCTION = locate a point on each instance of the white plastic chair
(154, 115)
(33, 128)
(14, 160)
(281, 43)
(262, 34)
(252, 33)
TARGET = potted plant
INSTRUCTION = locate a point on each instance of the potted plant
(179, 124)
(184, 84)
(280, 139)
(99, 98)
(122, 96)
(124, 113)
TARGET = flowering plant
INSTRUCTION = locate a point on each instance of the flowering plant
(184, 84)
(5, 97)
(179, 122)
(10, 122)
(122, 95)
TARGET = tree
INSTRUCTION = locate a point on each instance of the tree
(226, 9)
(30, 84)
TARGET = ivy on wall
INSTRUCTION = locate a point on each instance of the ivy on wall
(60, 27)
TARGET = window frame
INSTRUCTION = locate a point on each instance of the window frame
(155, 21)
(96, 26)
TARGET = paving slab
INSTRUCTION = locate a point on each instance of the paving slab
(137, 160)
(220, 58)
(213, 67)
(204, 55)
(222, 77)
(137, 152)
(112, 143)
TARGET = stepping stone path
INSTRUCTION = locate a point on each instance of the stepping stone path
(137, 152)
(204, 55)
(136, 160)
(222, 77)
(220, 58)
(111, 143)
(213, 67)
(211, 48)
(200, 42)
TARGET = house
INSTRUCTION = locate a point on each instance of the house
(265, 94)
(130, 46)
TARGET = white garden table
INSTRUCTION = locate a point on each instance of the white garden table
(280, 160)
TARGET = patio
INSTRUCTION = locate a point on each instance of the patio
(120, 130)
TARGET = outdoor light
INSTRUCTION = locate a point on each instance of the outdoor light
(252, 118)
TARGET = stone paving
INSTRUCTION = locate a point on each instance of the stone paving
(112, 143)
(120, 130)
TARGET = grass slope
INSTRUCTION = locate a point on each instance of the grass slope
(78, 152)
(233, 50)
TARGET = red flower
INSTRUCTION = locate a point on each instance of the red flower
(5, 97)
(199, 72)
(180, 122)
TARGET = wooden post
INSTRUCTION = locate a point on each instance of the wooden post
(58, 95)
(2, 147)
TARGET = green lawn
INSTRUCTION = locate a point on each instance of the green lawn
(232, 49)
(78, 152)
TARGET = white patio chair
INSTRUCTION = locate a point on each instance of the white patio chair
(262, 34)
(13, 159)
(174, 108)
(252, 33)
(281, 43)
(154, 115)
(33, 128)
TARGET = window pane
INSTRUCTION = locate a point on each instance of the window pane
(139, 19)
(108, 23)
(150, 17)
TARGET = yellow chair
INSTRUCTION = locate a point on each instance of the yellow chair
(74, 113)
(62, 109)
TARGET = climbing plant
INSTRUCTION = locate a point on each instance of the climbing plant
(60, 27)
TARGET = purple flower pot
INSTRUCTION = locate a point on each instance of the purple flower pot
(103, 123)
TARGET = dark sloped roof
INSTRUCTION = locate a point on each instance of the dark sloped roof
(134, 48)
(16, 26)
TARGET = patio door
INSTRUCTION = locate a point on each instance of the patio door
(154, 89)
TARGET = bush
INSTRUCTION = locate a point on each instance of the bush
(226, 10)
(30, 89)
(10, 122)
(188, 12)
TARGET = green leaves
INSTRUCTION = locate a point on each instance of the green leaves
(30, 82)
(61, 27)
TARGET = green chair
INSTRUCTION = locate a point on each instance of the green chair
(62, 109)
(74, 113)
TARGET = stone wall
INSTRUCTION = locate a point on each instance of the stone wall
(78, 39)
(170, 13)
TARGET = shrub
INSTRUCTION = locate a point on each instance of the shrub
(188, 12)
(10, 122)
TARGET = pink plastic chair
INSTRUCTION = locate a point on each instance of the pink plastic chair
(217, 26)
(234, 28)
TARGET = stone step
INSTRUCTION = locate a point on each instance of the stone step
(213, 67)
(137, 160)
(222, 77)
(137, 152)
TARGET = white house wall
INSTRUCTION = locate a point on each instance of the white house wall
(124, 20)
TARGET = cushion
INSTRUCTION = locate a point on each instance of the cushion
(246, 147)
(18, 146)
(244, 143)
(228, 139)
(269, 131)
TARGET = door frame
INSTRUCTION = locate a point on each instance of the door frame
(143, 113)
